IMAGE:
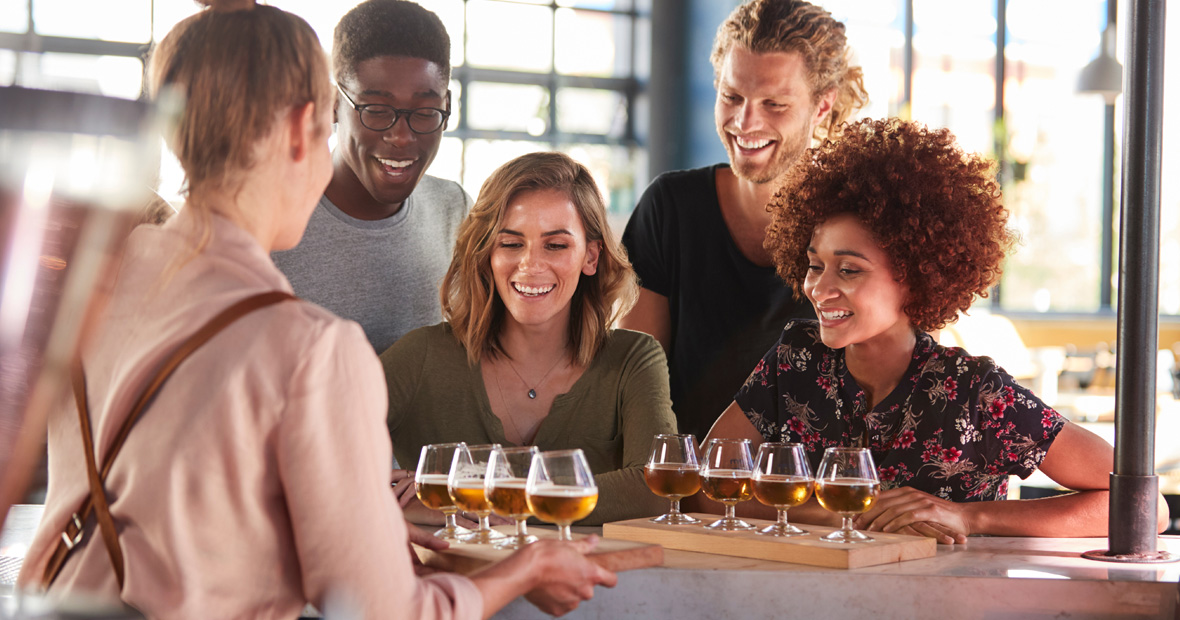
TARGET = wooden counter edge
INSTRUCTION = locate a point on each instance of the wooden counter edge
(618, 560)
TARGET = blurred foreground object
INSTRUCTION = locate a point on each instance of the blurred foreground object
(74, 171)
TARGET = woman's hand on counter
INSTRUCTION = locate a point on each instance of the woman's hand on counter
(910, 511)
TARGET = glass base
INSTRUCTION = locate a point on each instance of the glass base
(782, 530)
(675, 518)
(729, 525)
(846, 536)
(453, 534)
(482, 537)
(515, 542)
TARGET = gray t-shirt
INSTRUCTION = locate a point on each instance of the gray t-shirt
(383, 274)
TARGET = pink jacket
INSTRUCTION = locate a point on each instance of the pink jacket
(258, 480)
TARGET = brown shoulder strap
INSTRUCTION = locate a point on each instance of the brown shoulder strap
(97, 502)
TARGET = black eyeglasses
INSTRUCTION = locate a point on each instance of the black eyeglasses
(380, 117)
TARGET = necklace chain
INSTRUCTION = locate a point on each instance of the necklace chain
(533, 389)
(524, 441)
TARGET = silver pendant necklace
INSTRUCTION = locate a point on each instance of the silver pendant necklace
(532, 390)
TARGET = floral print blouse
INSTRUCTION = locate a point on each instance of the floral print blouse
(956, 426)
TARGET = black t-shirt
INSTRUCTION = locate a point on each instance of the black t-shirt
(726, 311)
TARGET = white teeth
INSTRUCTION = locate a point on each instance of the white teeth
(395, 164)
(832, 316)
(751, 144)
(533, 291)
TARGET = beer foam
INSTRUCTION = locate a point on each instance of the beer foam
(431, 479)
(559, 490)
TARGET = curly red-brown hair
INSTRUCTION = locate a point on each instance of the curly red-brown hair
(935, 210)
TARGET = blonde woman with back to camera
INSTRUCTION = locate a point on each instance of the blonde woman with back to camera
(256, 479)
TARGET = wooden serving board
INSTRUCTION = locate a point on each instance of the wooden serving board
(613, 555)
(808, 549)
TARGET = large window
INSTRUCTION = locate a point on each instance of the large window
(536, 75)
(1047, 134)
(529, 75)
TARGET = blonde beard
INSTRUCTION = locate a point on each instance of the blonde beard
(784, 158)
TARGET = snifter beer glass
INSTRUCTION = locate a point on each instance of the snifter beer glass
(847, 485)
(782, 479)
(673, 471)
(561, 489)
(466, 484)
(725, 478)
(434, 465)
(504, 484)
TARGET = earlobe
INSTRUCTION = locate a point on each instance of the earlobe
(302, 130)
(592, 250)
(824, 107)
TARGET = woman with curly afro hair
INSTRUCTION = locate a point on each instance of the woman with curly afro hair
(890, 232)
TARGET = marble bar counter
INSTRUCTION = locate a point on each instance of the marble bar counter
(987, 578)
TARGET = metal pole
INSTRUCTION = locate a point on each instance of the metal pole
(1105, 286)
(1000, 130)
(1134, 488)
(907, 91)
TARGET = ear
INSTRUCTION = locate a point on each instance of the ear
(590, 267)
(823, 107)
(302, 130)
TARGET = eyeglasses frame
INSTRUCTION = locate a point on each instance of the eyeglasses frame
(397, 114)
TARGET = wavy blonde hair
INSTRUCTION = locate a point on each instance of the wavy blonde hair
(469, 298)
(795, 26)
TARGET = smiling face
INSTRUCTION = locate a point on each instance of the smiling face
(540, 253)
(764, 111)
(375, 171)
(851, 284)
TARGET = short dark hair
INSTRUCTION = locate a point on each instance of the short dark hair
(389, 28)
(935, 209)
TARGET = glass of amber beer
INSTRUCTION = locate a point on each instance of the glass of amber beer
(725, 478)
(430, 481)
(466, 484)
(782, 480)
(504, 484)
(847, 485)
(561, 489)
(673, 471)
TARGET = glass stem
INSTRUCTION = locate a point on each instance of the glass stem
(485, 523)
(451, 525)
(522, 531)
(563, 532)
(729, 512)
(782, 518)
(847, 524)
(675, 506)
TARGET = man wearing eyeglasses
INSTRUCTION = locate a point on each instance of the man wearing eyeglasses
(380, 239)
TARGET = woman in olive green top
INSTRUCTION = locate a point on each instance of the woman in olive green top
(528, 355)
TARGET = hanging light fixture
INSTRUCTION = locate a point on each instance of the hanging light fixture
(1104, 74)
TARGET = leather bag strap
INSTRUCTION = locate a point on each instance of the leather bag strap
(96, 501)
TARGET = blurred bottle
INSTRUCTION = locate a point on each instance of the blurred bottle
(75, 173)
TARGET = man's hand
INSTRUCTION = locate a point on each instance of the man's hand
(909, 511)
